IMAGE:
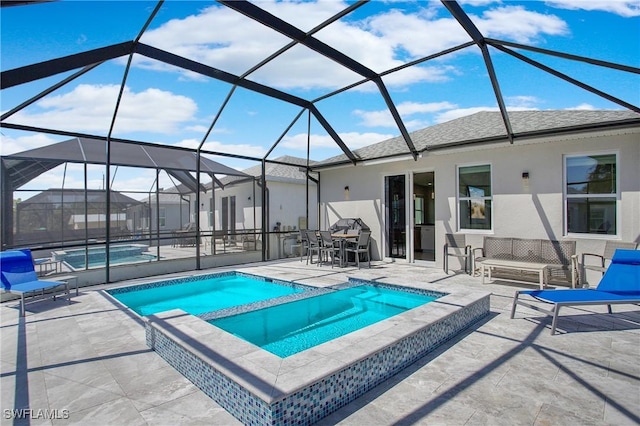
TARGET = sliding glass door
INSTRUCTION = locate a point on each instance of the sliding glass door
(395, 216)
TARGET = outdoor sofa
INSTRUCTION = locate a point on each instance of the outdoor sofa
(559, 256)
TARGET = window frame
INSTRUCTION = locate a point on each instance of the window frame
(485, 198)
(162, 217)
(210, 212)
(566, 197)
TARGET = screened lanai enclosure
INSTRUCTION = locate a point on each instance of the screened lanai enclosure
(188, 135)
(70, 229)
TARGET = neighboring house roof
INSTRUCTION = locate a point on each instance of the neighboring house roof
(69, 196)
(488, 127)
(274, 171)
(24, 166)
(168, 198)
(173, 195)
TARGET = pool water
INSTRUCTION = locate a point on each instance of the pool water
(292, 327)
(76, 258)
(198, 296)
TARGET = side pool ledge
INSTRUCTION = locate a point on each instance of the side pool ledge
(260, 388)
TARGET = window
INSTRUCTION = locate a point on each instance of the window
(474, 197)
(163, 217)
(210, 212)
(591, 194)
(419, 210)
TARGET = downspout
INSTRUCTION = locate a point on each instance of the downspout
(213, 218)
(318, 195)
(306, 173)
(64, 177)
(253, 195)
(265, 211)
(86, 219)
(157, 214)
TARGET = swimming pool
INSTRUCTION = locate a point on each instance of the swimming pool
(261, 388)
(75, 259)
(202, 294)
(293, 327)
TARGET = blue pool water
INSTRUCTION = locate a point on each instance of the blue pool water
(208, 294)
(292, 327)
(76, 258)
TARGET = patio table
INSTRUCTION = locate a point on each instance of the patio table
(540, 268)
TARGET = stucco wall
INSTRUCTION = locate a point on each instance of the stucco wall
(536, 211)
(287, 204)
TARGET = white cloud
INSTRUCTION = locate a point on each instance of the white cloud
(216, 146)
(462, 112)
(522, 101)
(517, 23)
(383, 118)
(11, 145)
(477, 2)
(583, 106)
(623, 8)
(89, 108)
(380, 42)
(197, 128)
(353, 140)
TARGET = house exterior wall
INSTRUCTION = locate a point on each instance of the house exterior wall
(174, 218)
(533, 211)
(286, 205)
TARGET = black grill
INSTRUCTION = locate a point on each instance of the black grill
(349, 223)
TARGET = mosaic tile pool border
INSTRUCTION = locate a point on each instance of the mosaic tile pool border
(322, 397)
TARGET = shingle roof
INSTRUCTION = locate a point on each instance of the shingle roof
(488, 125)
(275, 171)
(74, 195)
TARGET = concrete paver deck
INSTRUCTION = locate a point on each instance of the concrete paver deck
(88, 362)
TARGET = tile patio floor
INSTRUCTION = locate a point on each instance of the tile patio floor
(90, 358)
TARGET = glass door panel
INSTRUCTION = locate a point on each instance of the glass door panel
(395, 216)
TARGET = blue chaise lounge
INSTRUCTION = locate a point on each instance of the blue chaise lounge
(620, 284)
(18, 276)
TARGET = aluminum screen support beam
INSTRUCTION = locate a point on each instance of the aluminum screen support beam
(463, 19)
(47, 91)
(46, 69)
(262, 16)
(199, 68)
(332, 133)
(178, 61)
(569, 79)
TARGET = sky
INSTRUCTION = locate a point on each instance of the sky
(170, 106)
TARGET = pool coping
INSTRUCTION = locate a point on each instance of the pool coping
(257, 373)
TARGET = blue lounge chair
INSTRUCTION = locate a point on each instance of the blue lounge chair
(620, 284)
(18, 276)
